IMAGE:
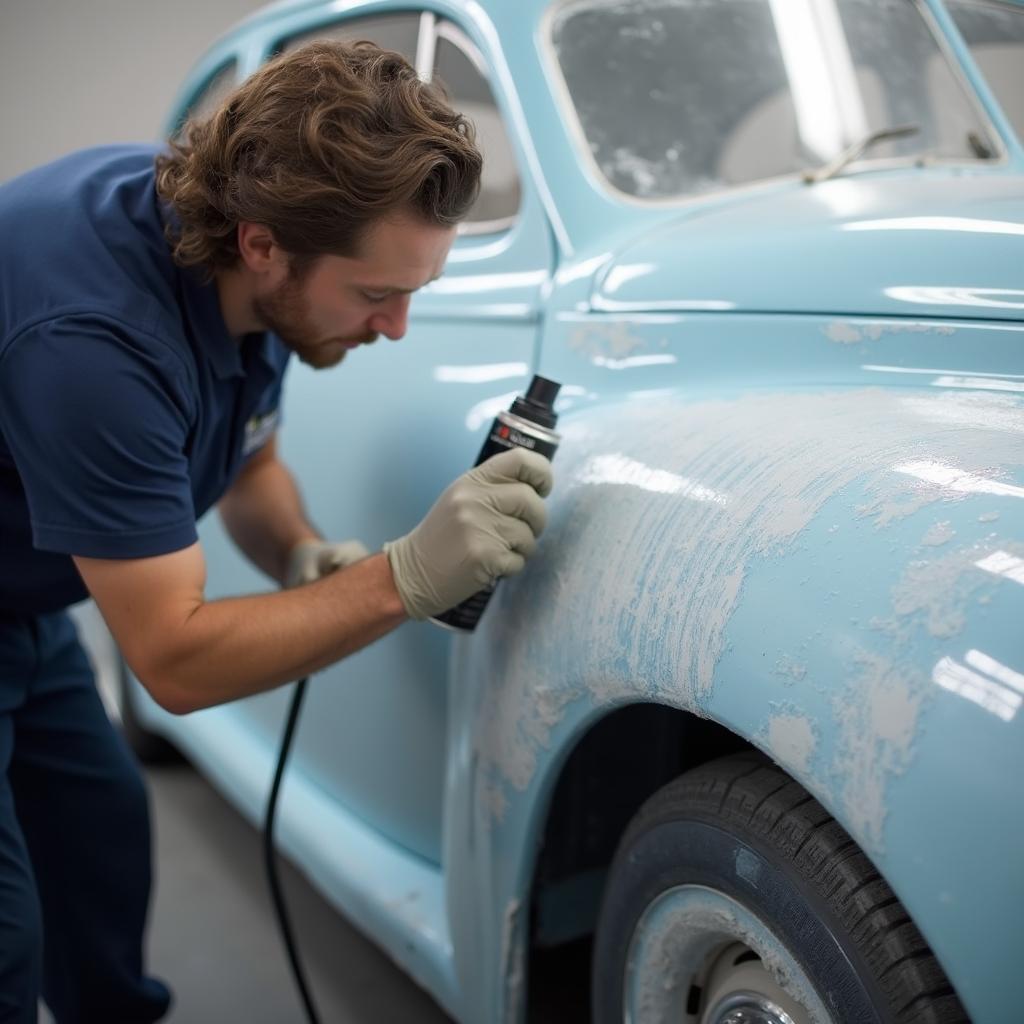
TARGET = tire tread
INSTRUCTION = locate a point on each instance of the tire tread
(750, 792)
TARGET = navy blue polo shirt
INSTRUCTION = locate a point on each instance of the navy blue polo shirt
(126, 409)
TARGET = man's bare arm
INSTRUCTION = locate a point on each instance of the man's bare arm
(263, 512)
(191, 653)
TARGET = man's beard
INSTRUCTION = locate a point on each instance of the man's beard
(286, 312)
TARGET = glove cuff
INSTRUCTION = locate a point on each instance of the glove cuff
(417, 606)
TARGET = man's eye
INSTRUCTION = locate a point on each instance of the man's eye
(371, 297)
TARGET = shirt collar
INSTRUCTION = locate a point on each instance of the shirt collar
(202, 313)
(207, 324)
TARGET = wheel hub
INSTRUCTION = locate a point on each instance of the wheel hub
(747, 1008)
(697, 956)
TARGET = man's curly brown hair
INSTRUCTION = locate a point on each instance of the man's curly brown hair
(317, 145)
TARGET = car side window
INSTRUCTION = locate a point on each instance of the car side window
(397, 32)
(995, 34)
(461, 69)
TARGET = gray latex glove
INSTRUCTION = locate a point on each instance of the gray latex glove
(311, 559)
(485, 525)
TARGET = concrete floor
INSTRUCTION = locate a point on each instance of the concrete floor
(214, 940)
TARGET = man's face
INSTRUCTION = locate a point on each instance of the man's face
(340, 303)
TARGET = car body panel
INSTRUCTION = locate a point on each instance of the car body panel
(875, 246)
(833, 555)
(788, 500)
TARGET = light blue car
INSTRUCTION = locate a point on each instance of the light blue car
(752, 715)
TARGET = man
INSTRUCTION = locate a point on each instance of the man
(150, 302)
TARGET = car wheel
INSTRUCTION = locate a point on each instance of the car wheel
(148, 747)
(735, 898)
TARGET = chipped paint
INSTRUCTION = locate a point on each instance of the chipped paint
(790, 669)
(936, 592)
(513, 959)
(877, 715)
(605, 341)
(939, 534)
(843, 332)
(791, 740)
(635, 586)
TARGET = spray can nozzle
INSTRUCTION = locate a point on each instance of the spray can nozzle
(537, 405)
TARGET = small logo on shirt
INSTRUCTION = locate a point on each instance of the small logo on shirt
(258, 431)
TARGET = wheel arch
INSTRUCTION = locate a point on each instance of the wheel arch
(597, 785)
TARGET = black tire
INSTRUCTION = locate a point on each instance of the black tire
(802, 876)
(148, 747)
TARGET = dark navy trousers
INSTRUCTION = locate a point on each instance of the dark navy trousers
(74, 839)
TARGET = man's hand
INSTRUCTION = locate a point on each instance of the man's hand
(309, 560)
(485, 525)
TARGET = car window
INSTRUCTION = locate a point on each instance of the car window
(209, 98)
(460, 68)
(397, 32)
(995, 34)
(677, 97)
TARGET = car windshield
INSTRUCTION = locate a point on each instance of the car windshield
(678, 97)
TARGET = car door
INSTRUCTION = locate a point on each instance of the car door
(374, 442)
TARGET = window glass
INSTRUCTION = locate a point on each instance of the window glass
(677, 97)
(995, 34)
(396, 32)
(470, 94)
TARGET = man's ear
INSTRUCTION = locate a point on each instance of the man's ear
(259, 249)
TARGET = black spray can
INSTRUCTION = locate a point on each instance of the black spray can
(528, 424)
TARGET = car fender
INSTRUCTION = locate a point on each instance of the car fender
(835, 575)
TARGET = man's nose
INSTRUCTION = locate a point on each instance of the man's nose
(394, 319)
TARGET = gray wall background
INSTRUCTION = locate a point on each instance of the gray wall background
(77, 73)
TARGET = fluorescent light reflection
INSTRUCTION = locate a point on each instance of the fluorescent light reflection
(485, 411)
(954, 373)
(673, 305)
(460, 284)
(922, 295)
(956, 480)
(623, 471)
(970, 224)
(977, 383)
(583, 269)
(996, 669)
(1002, 563)
(479, 374)
(618, 276)
(980, 689)
(630, 362)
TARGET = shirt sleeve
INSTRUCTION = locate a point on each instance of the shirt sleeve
(97, 419)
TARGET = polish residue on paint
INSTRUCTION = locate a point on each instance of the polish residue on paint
(936, 592)
(877, 714)
(845, 332)
(612, 341)
(791, 741)
(790, 669)
(513, 960)
(939, 534)
(633, 588)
